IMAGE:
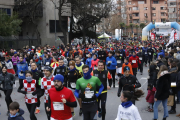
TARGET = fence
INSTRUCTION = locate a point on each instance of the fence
(17, 42)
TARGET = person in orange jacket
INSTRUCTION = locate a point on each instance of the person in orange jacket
(126, 63)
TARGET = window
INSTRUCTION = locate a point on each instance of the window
(145, 8)
(153, 14)
(163, 14)
(145, 14)
(135, 8)
(130, 8)
(6, 10)
(153, 8)
(163, 20)
(52, 26)
(140, 2)
(155, 2)
(129, 2)
(172, 3)
(163, 8)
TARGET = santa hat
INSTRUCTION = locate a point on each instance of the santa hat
(112, 49)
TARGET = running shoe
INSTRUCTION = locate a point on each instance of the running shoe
(73, 114)
(80, 112)
(37, 111)
(99, 114)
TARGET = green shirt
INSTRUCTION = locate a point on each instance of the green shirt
(88, 85)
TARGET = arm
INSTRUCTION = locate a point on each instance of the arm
(137, 84)
(119, 89)
(101, 88)
(118, 114)
(114, 62)
(109, 79)
(76, 93)
(12, 79)
(136, 114)
(131, 71)
(38, 88)
(71, 104)
(49, 102)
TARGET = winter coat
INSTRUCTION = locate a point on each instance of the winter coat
(129, 65)
(88, 62)
(152, 75)
(150, 96)
(178, 81)
(15, 60)
(163, 87)
(113, 63)
(94, 63)
(173, 77)
(47, 62)
(7, 80)
(134, 60)
(18, 117)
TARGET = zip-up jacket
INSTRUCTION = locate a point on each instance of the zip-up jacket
(134, 60)
(7, 80)
(21, 66)
(112, 61)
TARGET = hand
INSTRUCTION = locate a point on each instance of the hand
(108, 87)
(33, 93)
(155, 99)
(116, 67)
(22, 71)
(63, 100)
(109, 64)
(97, 95)
(48, 109)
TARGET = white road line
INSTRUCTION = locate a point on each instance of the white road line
(143, 85)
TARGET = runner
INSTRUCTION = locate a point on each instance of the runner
(31, 88)
(103, 75)
(140, 65)
(37, 75)
(7, 80)
(72, 76)
(46, 84)
(60, 100)
(88, 85)
(61, 69)
(128, 82)
(111, 65)
(79, 64)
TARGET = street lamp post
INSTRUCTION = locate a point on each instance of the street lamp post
(55, 19)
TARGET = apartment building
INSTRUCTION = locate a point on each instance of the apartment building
(46, 22)
(145, 11)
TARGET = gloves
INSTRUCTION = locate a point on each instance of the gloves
(81, 95)
(34, 93)
(97, 95)
(109, 64)
(119, 74)
(22, 72)
(36, 60)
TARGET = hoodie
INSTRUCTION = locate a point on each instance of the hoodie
(21, 66)
(18, 117)
(113, 62)
(161, 53)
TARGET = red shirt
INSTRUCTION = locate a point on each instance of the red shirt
(56, 96)
(134, 61)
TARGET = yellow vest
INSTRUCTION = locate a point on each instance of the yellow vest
(79, 68)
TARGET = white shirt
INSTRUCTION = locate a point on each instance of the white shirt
(130, 113)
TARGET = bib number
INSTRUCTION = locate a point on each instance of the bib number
(145, 52)
(47, 63)
(73, 85)
(95, 68)
(173, 84)
(118, 61)
(89, 94)
(149, 53)
(133, 61)
(20, 74)
(58, 106)
(140, 58)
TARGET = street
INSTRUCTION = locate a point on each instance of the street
(112, 104)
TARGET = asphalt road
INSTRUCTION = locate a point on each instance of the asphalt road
(112, 104)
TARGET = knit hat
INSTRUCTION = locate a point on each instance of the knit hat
(72, 63)
(126, 68)
(48, 68)
(56, 58)
(59, 78)
(15, 52)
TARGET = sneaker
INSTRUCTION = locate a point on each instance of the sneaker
(73, 114)
(99, 114)
(37, 111)
(172, 112)
(141, 73)
(80, 112)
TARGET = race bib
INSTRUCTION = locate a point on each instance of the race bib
(145, 52)
(133, 61)
(73, 85)
(118, 61)
(149, 53)
(140, 58)
(89, 94)
(86, 55)
(124, 119)
(47, 63)
(21, 74)
(120, 54)
(58, 106)
(42, 68)
(173, 84)
(109, 61)
(95, 68)
(29, 95)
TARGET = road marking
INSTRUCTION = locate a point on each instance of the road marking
(143, 84)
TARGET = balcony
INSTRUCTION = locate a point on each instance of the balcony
(164, 17)
(135, 11)
(164, 10)
(135, 17)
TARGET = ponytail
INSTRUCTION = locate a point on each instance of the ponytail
(133, 95)
(138, 94)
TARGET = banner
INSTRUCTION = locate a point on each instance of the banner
(171, 40)
(175, 36)
(152, 36)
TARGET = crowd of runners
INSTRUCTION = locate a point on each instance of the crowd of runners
(68, 75)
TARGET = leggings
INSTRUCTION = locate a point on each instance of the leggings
(102, 98)
(20, 82)
(31, 108)
(38, 98)
(150, 59)
(47, 113)
(134, 71)
(8, 99)
(113, 72)
(89, 113)
(140, 66)
(145, 59)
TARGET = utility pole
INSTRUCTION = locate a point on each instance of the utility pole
(55, 19)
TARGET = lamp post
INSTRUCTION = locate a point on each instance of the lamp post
(55, 19)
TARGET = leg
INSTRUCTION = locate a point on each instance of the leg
(155, 108)
(31, 109)
(47, 113)
(8, 97)
(103, 105)
(20, 82)
(113, 76)
(174, 106)
(85, 111)
(93, 111)
(164, 102)
(178, 95)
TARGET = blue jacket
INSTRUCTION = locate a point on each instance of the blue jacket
(18, 117)
(90, 50)
(113, 63)
(88, 62)
(39, 61)
(22, 66)
(145, 51)
(161, 53)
